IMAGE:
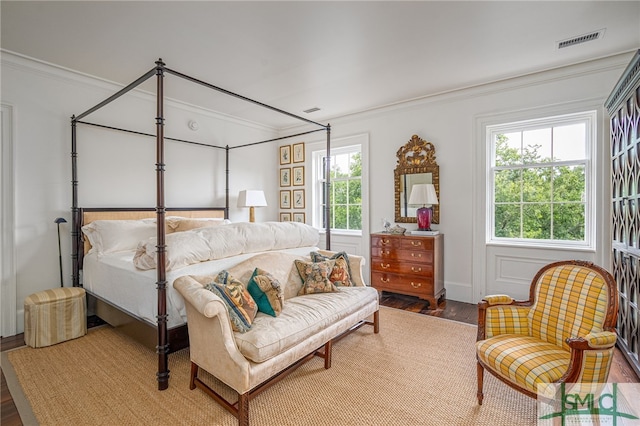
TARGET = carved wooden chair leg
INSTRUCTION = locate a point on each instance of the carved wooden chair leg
(376, 322)
(194, 374)
(480, 382)
(243, 409)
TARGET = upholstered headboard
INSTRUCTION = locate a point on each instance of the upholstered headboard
(88, 215)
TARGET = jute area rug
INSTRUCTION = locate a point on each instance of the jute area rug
(419, 370)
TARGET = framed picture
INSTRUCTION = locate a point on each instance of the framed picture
(285, 154)
(298, 152)
(285, 217)
(285, 176)
(298, 176)
(285, 199)
(298, 217)
(298, 198)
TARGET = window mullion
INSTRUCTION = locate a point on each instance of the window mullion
(556, 165)
(345, 159)
(521, 204)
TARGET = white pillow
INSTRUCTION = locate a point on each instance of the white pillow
(183, 248)
(181, 224)
(108, 236)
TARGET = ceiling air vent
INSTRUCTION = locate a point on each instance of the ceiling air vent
(310, 110)
(581, 39)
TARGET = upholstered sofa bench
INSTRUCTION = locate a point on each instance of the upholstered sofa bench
(307, 326)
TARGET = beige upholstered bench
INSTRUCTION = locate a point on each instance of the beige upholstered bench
(54, 316)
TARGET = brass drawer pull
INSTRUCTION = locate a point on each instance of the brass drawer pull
(416, 254)
(416, 243)
(385, 241)
(414, 285)
(384, 280)
(414, 269)
(386, 252)
(383, 266)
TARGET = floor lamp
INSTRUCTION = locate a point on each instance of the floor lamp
(58, 221)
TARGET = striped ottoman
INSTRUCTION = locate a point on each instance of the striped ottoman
(54, 316)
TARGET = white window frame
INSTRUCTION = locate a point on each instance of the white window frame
(317, 153)
(590, 120)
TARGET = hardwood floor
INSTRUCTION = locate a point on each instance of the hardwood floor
(8, 412)
(621, 371)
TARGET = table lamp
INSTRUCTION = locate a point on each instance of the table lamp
(424, 194)
(251, 198)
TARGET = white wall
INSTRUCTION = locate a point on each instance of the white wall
(449, 122)
(114, 170)
(44, 98)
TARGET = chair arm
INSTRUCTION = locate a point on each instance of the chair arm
(356, 264)
(498, 299)
(597, 340)
(501, 314)
(591, 358)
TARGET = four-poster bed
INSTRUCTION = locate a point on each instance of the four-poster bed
(168, 339)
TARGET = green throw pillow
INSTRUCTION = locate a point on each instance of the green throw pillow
(240, 305)
(315, 276)
(267, 292)
(341, 273)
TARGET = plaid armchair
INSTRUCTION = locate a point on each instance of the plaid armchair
(565, 332)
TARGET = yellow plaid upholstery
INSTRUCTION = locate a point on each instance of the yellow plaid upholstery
(571, 316)
(571, 301)
(603, 339)
(498, 299)
(595, 366)
(523, 360)
(502, 319)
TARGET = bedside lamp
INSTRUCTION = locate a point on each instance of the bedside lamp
(424, 194)
(251, 198)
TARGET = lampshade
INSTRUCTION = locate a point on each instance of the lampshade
(251, 198)
(423, 194)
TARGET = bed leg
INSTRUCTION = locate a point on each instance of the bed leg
(243, 409)
(194, 374)
(327, 354)
(376, 322)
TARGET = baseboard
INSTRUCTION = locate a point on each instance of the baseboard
(459, 292)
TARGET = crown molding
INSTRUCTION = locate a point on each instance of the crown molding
(594, 66)
(48, 70)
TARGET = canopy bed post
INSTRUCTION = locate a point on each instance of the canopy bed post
(165, 339)
(327, 188)
(163, 345)
(75, 216)
(226, 186)
(75, 274)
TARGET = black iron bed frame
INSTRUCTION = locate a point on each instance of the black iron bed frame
(163, 347)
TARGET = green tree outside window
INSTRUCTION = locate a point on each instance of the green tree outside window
(536, 196)
(346, 191)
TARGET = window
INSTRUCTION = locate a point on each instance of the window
(345, 188)
(540, 180)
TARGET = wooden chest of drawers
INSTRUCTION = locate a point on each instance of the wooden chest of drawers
(411, 265)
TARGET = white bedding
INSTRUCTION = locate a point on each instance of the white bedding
(114, 278)
(209, 243)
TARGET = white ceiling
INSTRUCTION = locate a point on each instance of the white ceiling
(343, 57)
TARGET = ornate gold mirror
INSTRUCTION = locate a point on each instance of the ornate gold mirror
(416, 165)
